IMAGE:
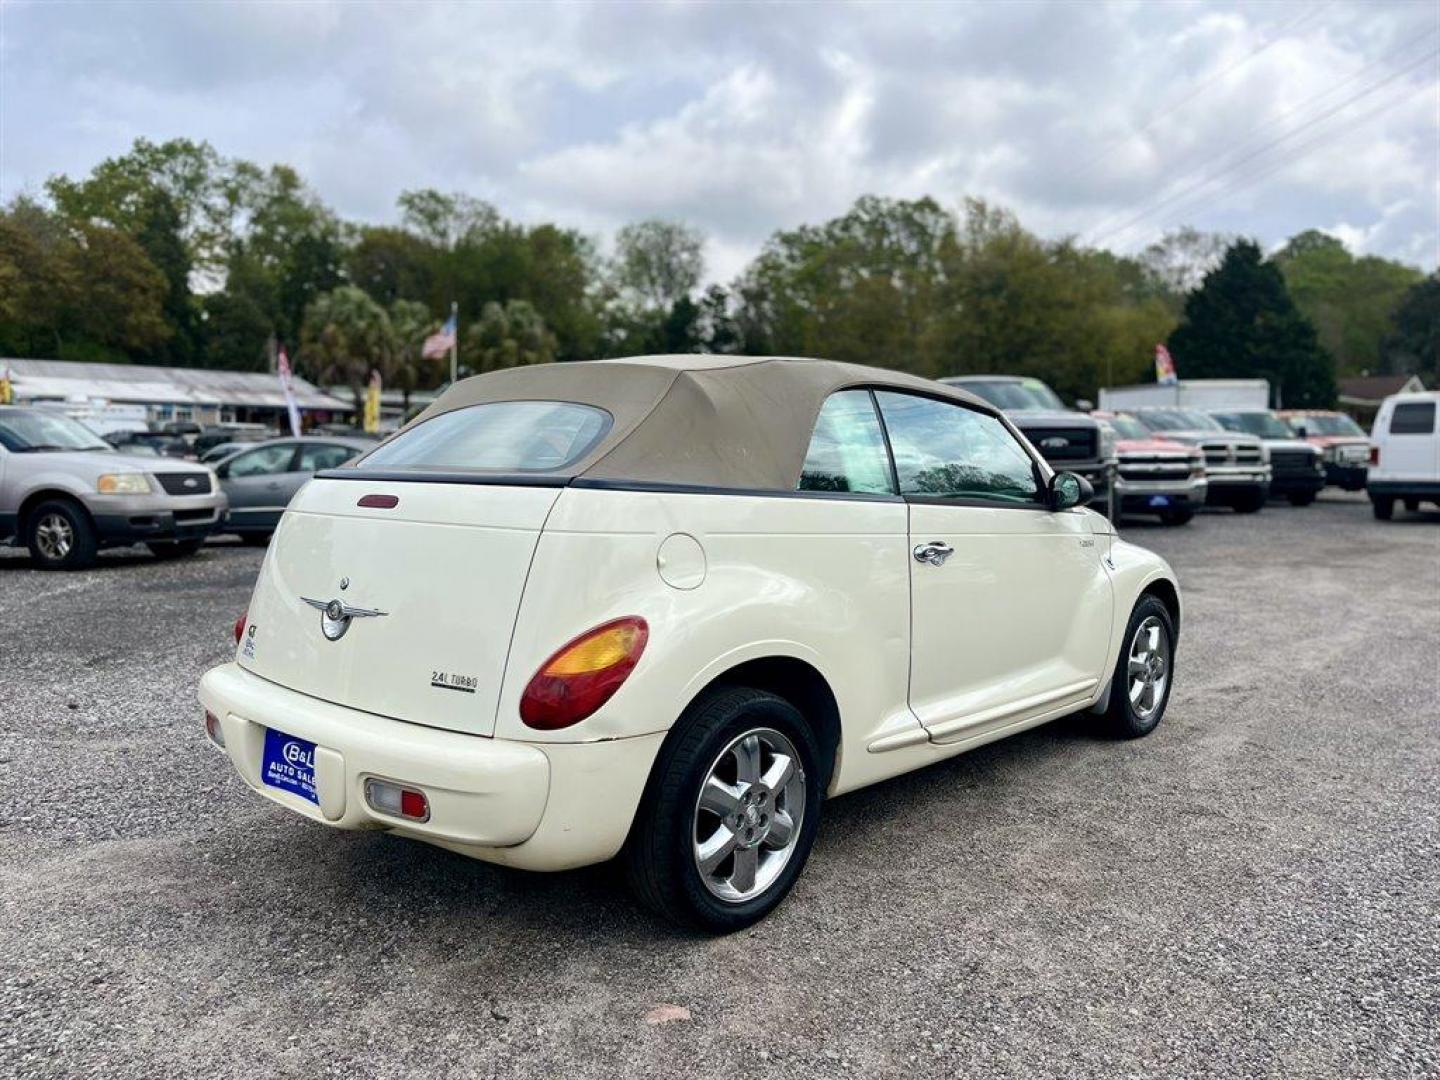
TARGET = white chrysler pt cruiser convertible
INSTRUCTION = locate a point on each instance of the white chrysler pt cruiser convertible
(664, 607)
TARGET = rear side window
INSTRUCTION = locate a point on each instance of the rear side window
(330, 456)
(508, 436)
(847, 451)
(1413, 418)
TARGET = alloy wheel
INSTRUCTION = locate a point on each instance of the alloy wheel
(1148, 671)
(748, 815)
(54, 536)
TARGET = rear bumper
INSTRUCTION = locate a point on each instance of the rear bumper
(548, 806)
(1404, 489)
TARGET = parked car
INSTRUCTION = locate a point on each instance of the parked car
(1297, 469)
(152, 443)
(664, 608)
(65, 493)
(1341, 441)
(1237, 466)
(1405, 453)
(1155, 475)
(185, 429)
(217, 454)
(1067, 439)
(261, 478)
(216, 434)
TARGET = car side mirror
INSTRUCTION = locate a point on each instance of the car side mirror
(1067, 489)
(1301, 432)
(1084, 405)
(222, 471)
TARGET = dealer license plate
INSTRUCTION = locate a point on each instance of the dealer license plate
(288, 763)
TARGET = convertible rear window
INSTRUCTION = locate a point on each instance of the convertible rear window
(509, 436)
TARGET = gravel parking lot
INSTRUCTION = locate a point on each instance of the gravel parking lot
(1254, 890)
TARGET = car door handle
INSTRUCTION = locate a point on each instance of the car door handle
(935, 552)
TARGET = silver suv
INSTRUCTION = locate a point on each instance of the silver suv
(65, 493)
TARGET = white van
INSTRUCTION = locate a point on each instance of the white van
(1405, 453)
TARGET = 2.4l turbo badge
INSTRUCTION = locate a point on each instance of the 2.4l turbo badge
(441, 680)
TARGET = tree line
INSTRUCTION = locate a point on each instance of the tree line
(173, 254)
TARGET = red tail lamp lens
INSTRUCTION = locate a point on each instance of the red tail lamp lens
(240, 626)
(1374, 455)
(583, 675)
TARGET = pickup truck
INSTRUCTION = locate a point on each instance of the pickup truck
(1070, 441)
(1297, 470)
(1156, 475)
(1342, 443)
(1237, 466)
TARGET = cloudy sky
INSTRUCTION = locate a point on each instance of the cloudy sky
(1110, 120)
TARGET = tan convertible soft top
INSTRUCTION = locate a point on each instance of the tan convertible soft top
(694, 420)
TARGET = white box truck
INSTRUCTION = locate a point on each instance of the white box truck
(1203, 394)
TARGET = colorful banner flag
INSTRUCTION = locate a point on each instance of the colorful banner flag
(283, 366)
(372, 403)
(1164, 367)
(440, 342)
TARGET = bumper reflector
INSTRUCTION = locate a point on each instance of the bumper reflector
(397, 801)
(214, 730)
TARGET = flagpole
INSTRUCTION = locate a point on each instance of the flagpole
(455, 342)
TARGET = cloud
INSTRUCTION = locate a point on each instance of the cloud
(745, 119)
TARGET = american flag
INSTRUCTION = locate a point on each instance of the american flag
(440, 342)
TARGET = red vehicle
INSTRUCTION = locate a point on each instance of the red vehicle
(1343, 444)
(1156, 475)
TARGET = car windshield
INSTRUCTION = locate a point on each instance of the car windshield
(1127, 427)
(507, 436)
(22, 432)
(1266, 425)
(1331, 424)
(1177, 420)
(1022, 395)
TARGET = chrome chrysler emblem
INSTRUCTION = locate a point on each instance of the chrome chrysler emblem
(335, 616)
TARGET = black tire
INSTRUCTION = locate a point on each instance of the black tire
(1122, 719)
(57, 524)
(1176, 517)
(255, 539)
(659, 855)
(174, 549)
(1413, 505)
(1301, 498)
(1249, 504)
(1384, 508)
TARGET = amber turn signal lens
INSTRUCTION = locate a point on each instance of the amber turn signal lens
(584, 674)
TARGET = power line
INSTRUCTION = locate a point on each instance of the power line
(1088, 164)
(1302, 150)
(1102, 228)
(1260, 151)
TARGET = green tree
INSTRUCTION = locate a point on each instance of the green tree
(160, 235)
(861, 287)
(344, 337)
(1413, 345)
(1350, 301)
(506, 335)
(657, 263)
(412, 323)
(1241, 322)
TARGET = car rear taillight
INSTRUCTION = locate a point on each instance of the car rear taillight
(397, 800)
(583, 675)
(240, 625)
(214, 730)
(1374, 455)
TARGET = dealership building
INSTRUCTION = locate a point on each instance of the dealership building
(138, 393)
